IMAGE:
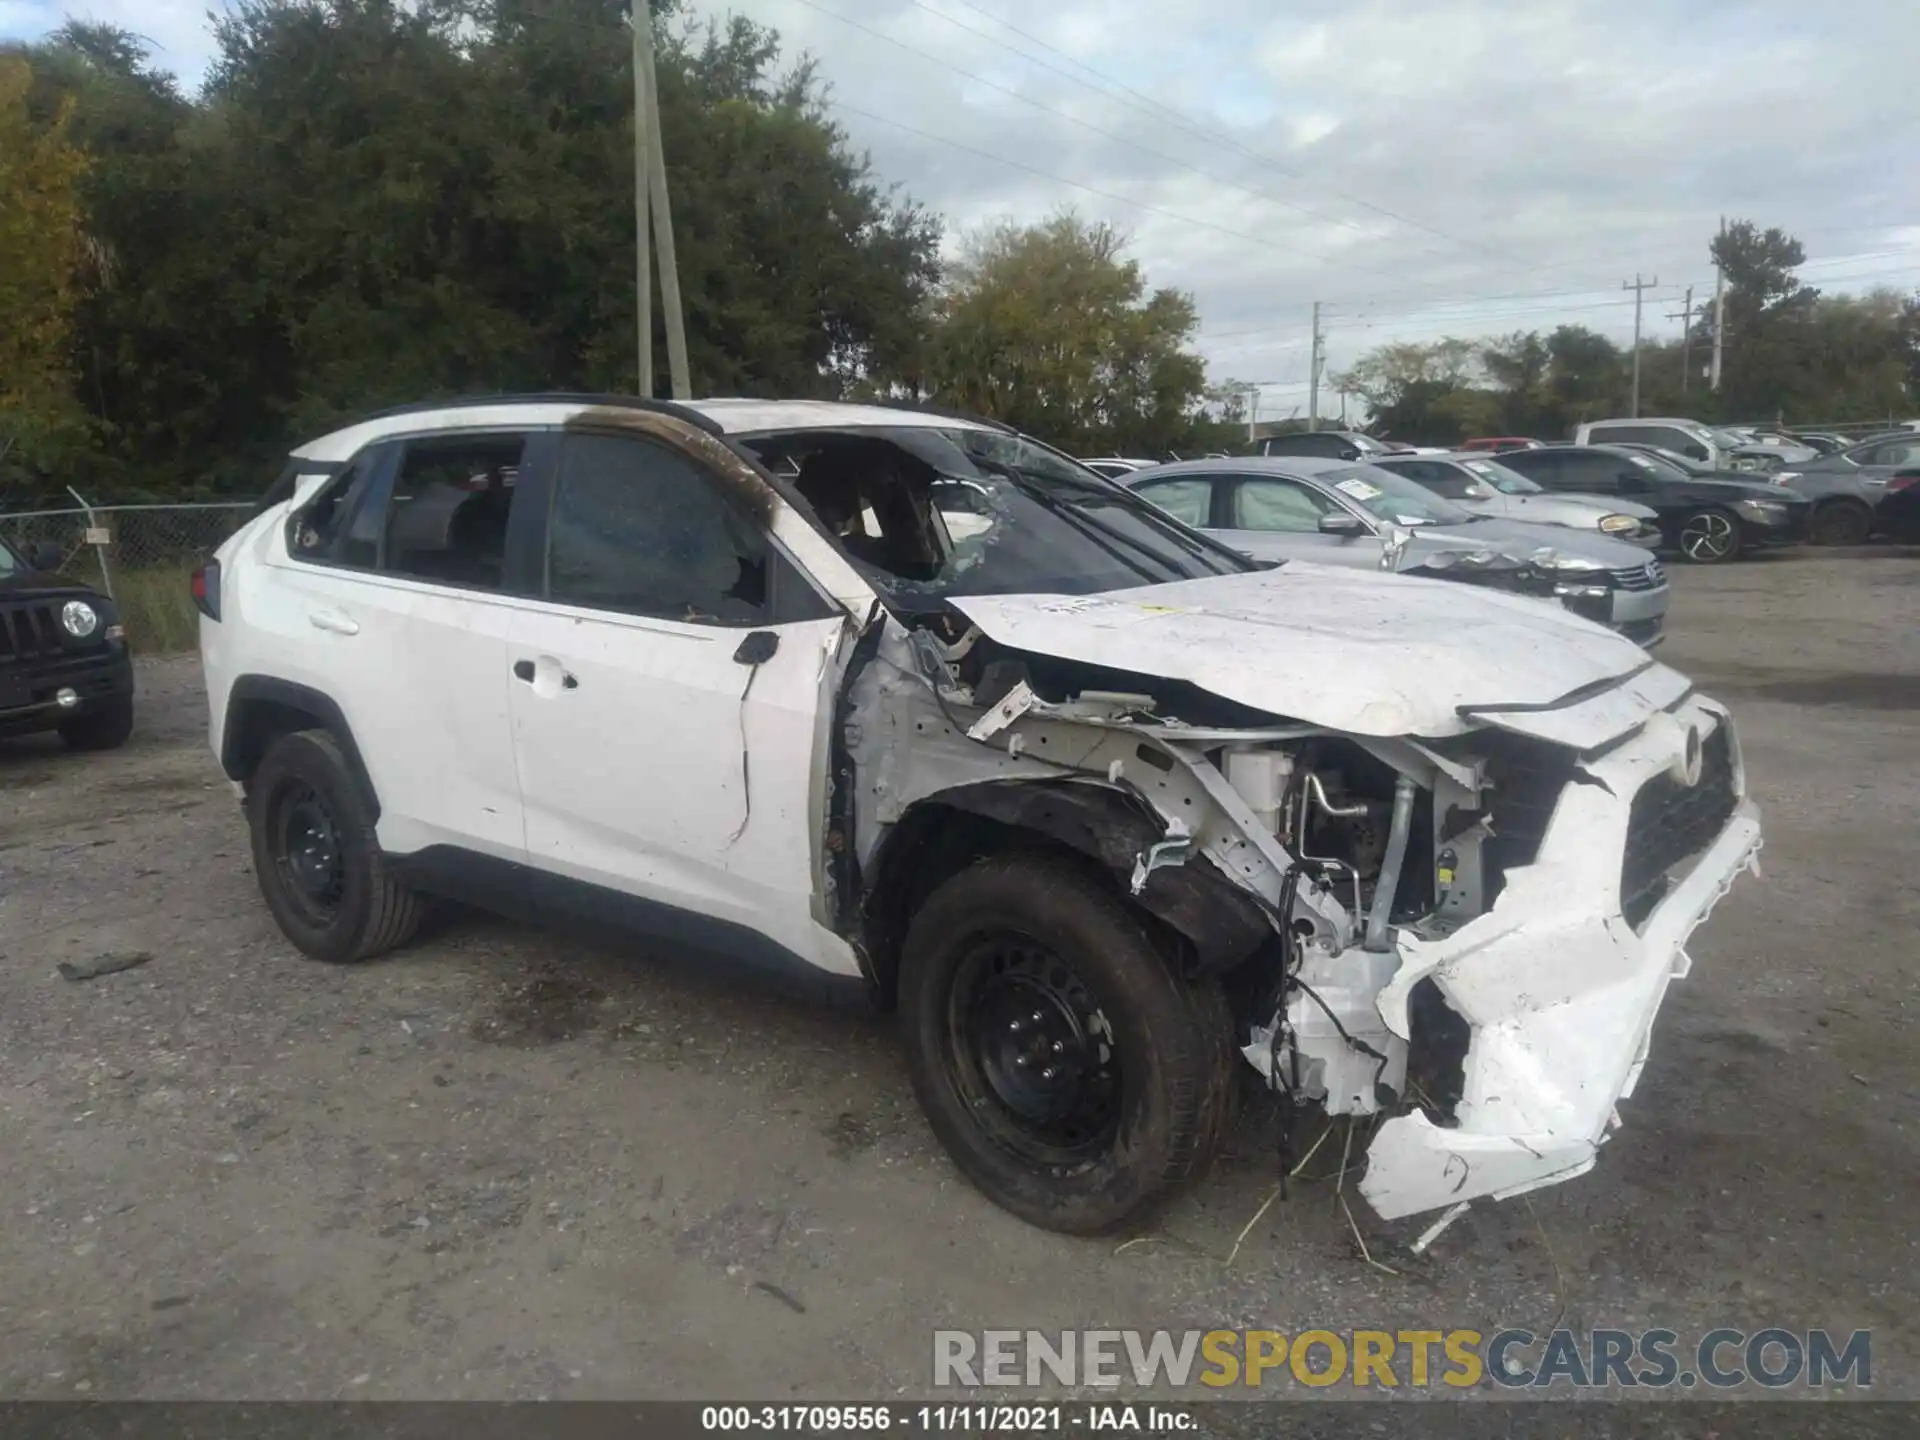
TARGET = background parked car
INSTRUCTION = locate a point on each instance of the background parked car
(1721, 448)
(1844, 500)
(1486, 487)
(1900, 511)
(1708, 520)
(1497, 443)
(1329, 445)
(1333, 513)
(1849, 487)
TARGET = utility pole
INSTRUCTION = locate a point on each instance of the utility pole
(1638, 287)
(1686, 338)
(650, 195)
(1719, 312)
(642, 173)
(1313, 380)
(1253, 413)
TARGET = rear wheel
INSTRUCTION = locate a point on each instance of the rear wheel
(316, 856)
(1710, 537)
(107, 728)
(1841, 522)
(1071, 1073)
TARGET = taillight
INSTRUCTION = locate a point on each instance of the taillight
(1903, 482)
(206, 589)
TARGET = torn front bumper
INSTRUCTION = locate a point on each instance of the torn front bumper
(1558, 990)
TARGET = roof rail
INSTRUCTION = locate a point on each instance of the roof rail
(556, 397)
(941, 410)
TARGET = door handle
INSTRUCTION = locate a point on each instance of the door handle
(333, 622)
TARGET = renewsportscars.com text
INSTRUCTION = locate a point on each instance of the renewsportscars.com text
(1415, 1359)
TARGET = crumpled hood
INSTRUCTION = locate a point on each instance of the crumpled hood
(1354, 650)
(1521, 539)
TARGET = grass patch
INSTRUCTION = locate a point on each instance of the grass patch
(156, 606)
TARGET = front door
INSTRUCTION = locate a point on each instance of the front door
(1273, 518)
(671, 689)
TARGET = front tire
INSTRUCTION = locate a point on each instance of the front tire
(316, 856)
(1074, 1077)
(1841, 522)
(107, 728)
(1710, 537)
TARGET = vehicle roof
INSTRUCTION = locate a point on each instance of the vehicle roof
(1654, 420)
(1304, 466)
(727, 415)
(1479, 457)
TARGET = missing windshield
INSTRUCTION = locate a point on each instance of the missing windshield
(927, 513)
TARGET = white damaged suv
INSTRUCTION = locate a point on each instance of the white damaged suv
(912, 701)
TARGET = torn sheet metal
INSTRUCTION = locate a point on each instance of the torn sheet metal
(1350, 650)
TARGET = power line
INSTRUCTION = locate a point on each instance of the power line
(1087, 125)
(1167, 113)
(1202, 131)
(1057, 179)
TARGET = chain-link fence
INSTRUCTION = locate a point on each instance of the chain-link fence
(142, 555)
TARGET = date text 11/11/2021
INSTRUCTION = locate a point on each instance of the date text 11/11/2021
(947, 1419)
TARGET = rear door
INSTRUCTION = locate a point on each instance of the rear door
(671, 692)
(1272, 517)
(398, 597)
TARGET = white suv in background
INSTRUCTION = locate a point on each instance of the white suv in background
(1718, 449)
(916, 703)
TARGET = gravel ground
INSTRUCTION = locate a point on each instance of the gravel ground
(513, 1164)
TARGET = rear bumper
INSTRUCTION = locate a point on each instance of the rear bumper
(1558, 991)
(29, 694)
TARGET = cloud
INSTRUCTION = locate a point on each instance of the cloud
(1464, 166)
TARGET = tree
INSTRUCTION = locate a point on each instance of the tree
(1414, 390)
(374, 202)
(41, 250)
(1050, 329)
(1766, 310)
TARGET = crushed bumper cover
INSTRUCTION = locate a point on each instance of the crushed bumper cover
(1560, 994)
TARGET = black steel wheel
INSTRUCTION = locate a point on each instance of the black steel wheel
(1031, 1051)
(1710, 537)
(1074, 1076)
(316, 857)
(1841, 522)
(305, 841)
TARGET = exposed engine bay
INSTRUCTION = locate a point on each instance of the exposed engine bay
(1338, 882)
(1444, 857)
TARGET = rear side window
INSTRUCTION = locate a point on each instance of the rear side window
(1188, 501)
(639, 528)
(314, 530)
(448, 518)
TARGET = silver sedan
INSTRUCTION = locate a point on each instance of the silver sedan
(1333, 512)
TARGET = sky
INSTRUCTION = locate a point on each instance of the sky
(1420, 167)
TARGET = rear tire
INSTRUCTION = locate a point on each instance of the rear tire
(107, 728)
(317, 858)
(1841, 522)
(1710, 536)
(1073, 1076)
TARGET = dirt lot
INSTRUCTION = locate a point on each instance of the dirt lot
(514, 1164)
